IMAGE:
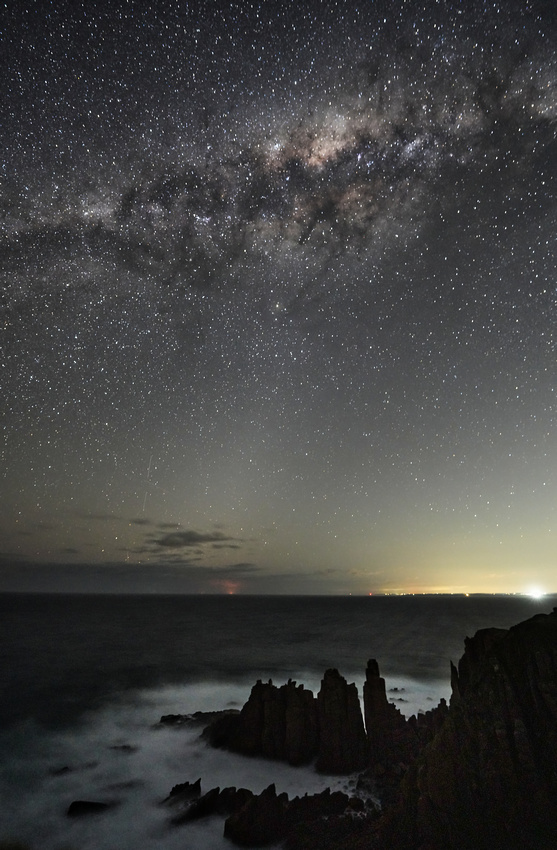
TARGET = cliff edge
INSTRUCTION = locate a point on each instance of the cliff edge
(488, 779)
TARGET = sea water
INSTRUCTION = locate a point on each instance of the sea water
(84, 681)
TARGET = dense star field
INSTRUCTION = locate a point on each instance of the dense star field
(278, 296)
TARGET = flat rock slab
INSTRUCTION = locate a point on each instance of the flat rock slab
(80, 808)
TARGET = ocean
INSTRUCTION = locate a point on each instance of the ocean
(84, 680)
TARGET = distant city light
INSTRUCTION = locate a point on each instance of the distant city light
(535, 592)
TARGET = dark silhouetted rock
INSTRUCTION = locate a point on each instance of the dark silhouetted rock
(260, 821)
(480, 774)
(79, 808)
(268, 819)
(383, 720)
(337, 832)
(312, 807)
(488, 779)
(214, 802)
(288, 723)
(276, 722)
(126, 749)
(201, 807)
(394, 741)
(342, 738)
(233, 799)
(183, 792)
(300, 731)
(224, 731)
(197, 717)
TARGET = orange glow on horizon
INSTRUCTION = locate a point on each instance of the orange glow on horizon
(227, 586)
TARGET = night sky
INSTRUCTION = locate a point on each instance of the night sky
(278, 296)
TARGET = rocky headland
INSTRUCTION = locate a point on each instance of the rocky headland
(477, 774)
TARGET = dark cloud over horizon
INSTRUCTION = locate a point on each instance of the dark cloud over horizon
(185, 539)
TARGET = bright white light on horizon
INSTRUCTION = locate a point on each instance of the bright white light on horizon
(535, 592)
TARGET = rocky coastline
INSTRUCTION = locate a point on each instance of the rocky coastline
(477, 774)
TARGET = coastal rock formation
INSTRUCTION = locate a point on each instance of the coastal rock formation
(480, 774)
(194, 805)
(254, 820)
(488, 779)
(342, 737)
(261, 821)
(289, 724)
(184, 792)
(384, 722)
(198, 717)
(394, 741)
(268, 817)
(276, 723)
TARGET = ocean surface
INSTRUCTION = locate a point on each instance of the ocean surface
(84, 681)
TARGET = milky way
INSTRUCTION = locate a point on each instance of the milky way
(278, 295)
